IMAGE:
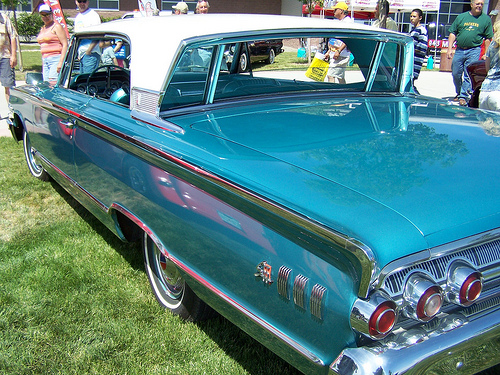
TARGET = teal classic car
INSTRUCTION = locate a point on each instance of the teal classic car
(352, 228)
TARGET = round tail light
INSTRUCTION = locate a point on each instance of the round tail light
(382, 320)
(375, 317)
(423, 296)
(464, 283)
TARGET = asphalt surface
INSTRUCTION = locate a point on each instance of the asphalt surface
(430, 83)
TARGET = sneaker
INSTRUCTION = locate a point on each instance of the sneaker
(462, 102)
(455, 99)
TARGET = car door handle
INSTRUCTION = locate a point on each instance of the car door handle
(69, 123)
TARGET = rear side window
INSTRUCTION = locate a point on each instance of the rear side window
(190, 78)
(387, 77)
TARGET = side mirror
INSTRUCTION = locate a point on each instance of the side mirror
(33, 78)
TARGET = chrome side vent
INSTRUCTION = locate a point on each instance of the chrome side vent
(283, 281)
(144, 101)
(316, 303)
(299, 290)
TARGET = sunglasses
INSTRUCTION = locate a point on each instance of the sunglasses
(81, 1)
(45, 14)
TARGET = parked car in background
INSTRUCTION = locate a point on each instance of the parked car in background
(351, 228)
(261, 50)
(255, 51)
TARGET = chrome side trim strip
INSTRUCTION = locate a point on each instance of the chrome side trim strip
(256, 319)
(242, 309)
(367, 271)
(299, 290)
(316, 303)
(283, 282)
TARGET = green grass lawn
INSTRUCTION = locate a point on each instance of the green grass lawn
(32, 60)
(75, 300)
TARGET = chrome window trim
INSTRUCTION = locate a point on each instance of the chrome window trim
(155, 121)
(375, 62)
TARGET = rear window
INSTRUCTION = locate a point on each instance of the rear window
(248, 68)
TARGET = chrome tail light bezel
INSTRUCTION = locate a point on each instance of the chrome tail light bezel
(423, 297)
(462, 280)
(374, 317)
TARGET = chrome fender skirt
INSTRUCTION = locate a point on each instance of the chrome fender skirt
(455, 345)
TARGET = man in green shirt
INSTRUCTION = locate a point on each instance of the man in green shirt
(469, 30)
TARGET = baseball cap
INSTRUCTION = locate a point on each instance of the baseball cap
(181, 6)
(44, 8)
(340, 5)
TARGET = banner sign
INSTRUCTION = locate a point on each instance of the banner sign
(57, 13)
(147, 7)
(438, 43)
(394, 5)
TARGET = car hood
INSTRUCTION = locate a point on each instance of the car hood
(434, 166)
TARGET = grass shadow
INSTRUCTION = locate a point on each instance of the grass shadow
(130, 251)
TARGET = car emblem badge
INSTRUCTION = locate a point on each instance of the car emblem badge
(264, 272)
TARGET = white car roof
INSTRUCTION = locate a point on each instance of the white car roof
(155, 40)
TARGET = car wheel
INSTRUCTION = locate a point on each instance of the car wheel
(243, 62)
(272, 56)
(169, 286)
(29, 153)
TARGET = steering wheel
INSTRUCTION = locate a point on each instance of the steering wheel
(108, 69)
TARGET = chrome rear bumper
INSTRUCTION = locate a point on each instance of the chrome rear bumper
(456, 344)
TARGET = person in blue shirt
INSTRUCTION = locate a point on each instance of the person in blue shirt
(419, 35)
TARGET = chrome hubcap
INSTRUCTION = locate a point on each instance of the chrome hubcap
(168, 274)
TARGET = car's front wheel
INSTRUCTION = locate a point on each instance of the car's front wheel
(169, 286)
(35, 168)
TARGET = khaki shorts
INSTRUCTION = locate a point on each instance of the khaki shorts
(337, 67)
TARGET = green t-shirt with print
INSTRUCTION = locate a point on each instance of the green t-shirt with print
(470, 31)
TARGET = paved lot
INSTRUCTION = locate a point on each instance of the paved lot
(435, 84)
